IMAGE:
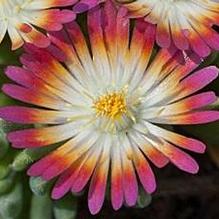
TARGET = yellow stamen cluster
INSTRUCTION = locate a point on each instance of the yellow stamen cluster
(112, 105)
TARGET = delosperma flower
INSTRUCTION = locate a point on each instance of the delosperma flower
(105, 104)
(185, 23)
(21, 17)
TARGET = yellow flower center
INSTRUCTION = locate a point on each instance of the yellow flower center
(112, 105)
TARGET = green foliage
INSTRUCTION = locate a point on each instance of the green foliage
(10, 203)
(66, 208)
(41, 207)
(3, 142)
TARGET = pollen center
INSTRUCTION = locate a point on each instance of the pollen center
(112, 105)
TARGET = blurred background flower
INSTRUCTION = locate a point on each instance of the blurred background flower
(23, 19)
(187, 24)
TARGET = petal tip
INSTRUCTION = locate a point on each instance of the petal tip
(93, 207)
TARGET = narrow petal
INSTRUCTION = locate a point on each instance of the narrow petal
(190, 103)
(116, 178)
(198, 117)
(154, 155)
(130, 185)
(77, 176)
(54, 19)
(198, 80)
(38, 137)
(30, 115)
(145, 172)
(163, 37)
(64, 182)
(179, 158)
(32, 97)
(86, 170)
(62, 158)
(183, 106)
(84, 5)
(98, 183)
(176, 139)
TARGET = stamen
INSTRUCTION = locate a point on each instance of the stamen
(112, 105)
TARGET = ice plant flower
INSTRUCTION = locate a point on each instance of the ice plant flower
(105, 104)
(186, 23)
(20, 19)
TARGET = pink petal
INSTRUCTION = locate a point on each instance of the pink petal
(163, 37)
(190, 103)
(32, 96)
(178, 140)
(84, 5)
(65, 181)
(38, 137)
(86, 171)
(179, 158)
(98, 186)
(198, 117)
(198, 45)
(116, 179)
(130, 185)
(27, 115)
(199, 79)
(145, 173)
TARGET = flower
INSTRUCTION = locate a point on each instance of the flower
(103, 102)
(19, 19)
(185, 23)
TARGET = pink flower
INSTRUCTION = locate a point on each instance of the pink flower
(103, 102)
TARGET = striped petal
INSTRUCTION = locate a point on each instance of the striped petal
(129, 181)
(30, 115)
(98, 182)
(116, 178)
(176, 139)
(39, 137)
(145, 173)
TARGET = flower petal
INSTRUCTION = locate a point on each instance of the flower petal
(179, 158)
(176, 139)
(98, 182)
(38, 137)
(116, 178)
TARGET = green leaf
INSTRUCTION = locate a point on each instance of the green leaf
(7, 183)
(11, 203)
(3, 141)
(4, 170)
(66, 208)
(41, 207)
